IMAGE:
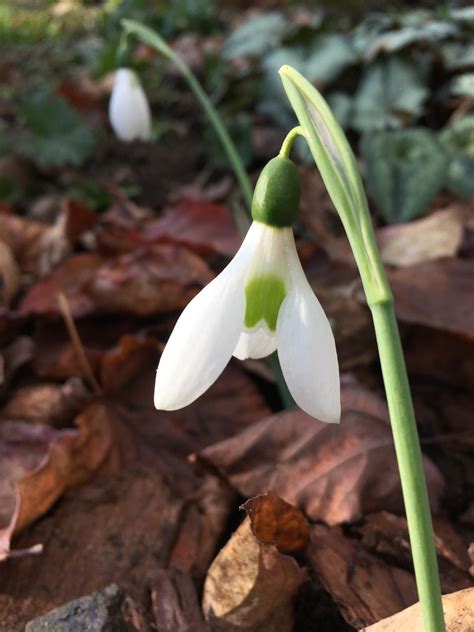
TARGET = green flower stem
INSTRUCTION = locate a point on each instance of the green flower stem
(338, 168)
(289, 140)
(150, 37)
(410, 464)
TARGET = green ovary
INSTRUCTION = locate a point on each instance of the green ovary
(264, 296)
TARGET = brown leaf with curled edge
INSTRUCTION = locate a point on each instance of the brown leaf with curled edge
(199, 225)
(250, 586)
(276, 522)
(437, 294)
(333, 472)
(131, 355)
(364, 587)
(157, 279)
(458, 616)
(24, 450)
(434, 237)
(39, 463)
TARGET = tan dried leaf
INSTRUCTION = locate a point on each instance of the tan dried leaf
(250, 586)
(434, 237)
(458, 610)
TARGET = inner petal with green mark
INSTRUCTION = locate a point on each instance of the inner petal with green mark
(264, 294)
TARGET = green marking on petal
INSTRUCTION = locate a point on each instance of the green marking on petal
(264, 295)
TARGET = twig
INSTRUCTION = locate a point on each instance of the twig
(76, 343)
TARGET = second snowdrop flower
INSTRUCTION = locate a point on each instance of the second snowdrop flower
(129, 111)
(260, 303)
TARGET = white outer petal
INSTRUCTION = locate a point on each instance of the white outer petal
(255, 344)
(306, 346)
(205, 335)
(129, 111)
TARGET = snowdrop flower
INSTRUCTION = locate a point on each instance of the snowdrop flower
(129, 111)
(260, 303)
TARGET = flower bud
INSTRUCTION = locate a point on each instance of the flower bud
(277, 193)
(129, 111)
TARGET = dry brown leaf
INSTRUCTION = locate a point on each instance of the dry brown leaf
(364, 587)
(157, 279)
(40, 463)
(24, 450)
(199, 225)
(335, 473)
(23, 238)
(276, 522)
(51, 404)
(438, 294)
(387, 534)
(121, 364)
(458, 614)
(37, 246)
(434, 237)
(9, 275)
(250, 586)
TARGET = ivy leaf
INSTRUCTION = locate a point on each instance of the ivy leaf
(256, 35)
(432, 31)
(457, 55)
(458, 142)
(321, 61)
(463, 85)
(327, 56)
(391, 92)
(405, 169)
(54, 134)
(465, 14)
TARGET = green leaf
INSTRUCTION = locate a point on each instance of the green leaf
(431, 31)
(458, 142)
(256, 35)
(465, 14)
(390, 94)
(338, 168)
(54, 134)
(405, 169)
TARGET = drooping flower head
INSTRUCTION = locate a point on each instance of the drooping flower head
(261, 302)
(129, 111)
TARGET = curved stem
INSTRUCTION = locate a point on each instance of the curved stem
(153, 39)
(289, 140)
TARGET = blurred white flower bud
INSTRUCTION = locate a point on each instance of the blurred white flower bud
(129, 111)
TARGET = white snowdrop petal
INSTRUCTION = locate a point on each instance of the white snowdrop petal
(129, 111)
(306, 347)
(255, 344)
(205, 335)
